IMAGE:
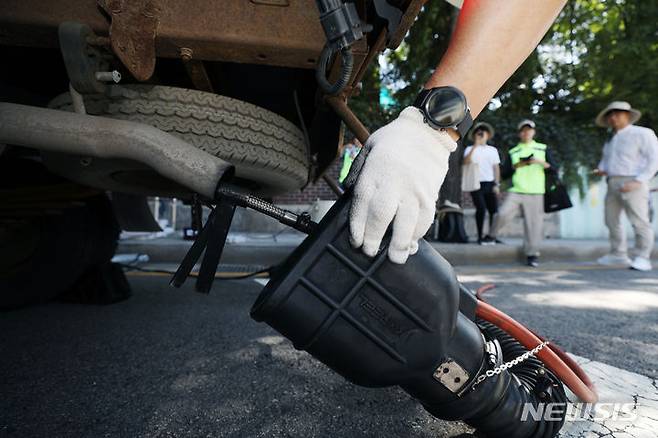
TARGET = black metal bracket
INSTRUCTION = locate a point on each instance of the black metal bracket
(391, 14)
(212, 237)
(81, 59)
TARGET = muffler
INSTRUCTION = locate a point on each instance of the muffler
(102, 137)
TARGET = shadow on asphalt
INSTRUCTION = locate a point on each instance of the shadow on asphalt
(172, 362)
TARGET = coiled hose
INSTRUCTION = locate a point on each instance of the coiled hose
(345, 70)
(570, 375)
(540, 382)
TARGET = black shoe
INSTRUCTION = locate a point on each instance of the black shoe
(500, 242)
(532, 261)
(488, 240)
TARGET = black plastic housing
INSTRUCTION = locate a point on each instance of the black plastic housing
(380, 324)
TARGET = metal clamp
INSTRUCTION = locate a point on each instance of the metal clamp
(451, 375)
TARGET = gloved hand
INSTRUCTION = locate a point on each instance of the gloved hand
(400, 181)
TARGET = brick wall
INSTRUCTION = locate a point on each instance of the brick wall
(321, 191)
(312, 192)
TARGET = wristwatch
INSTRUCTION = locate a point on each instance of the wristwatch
(445, 107)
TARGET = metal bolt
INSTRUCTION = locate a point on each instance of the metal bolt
(186, 54)
(108, 76)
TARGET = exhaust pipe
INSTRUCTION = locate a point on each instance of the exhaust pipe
(101, 137)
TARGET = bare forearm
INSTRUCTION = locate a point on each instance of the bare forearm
(491, 41)
(496, 173)
(469, 156)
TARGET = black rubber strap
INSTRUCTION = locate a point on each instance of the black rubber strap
(192, 255)
(465, 124)
(418, 103)
(218, 225)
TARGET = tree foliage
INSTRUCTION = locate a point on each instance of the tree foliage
(596, 51)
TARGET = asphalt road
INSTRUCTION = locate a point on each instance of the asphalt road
(608, 315)
(176, 363)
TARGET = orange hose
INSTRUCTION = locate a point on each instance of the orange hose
(482, 289)
(584, 391)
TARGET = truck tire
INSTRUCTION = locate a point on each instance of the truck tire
(264, 147)
(43, 257)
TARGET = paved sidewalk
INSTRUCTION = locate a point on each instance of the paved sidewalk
(268, 249)
(627, 408)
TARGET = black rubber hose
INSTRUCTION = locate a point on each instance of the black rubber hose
(301, 222)
(345, 71)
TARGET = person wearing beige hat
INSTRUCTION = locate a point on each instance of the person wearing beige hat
(630, 160)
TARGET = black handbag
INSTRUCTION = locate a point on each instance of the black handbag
(556, 197)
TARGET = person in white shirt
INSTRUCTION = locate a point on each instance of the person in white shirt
(630, 160)
(486, 198)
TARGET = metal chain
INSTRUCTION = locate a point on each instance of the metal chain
(499, 369)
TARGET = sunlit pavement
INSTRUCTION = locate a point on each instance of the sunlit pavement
(176, 363)
(608, 315)
(627, 407)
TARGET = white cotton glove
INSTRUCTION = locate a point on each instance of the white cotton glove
(399, 182)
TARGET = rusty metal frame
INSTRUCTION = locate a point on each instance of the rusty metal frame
(339, 105)
(270, 32)
(132, 32)
(411, 11)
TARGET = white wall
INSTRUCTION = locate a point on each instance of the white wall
(585, 220)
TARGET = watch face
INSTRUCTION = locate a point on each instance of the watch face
(446, 107)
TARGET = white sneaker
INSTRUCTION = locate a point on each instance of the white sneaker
(614, 260)
(641, 264)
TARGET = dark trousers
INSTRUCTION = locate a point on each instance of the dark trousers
(485, 200)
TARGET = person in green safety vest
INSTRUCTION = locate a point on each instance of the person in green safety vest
(526, 163)
(350, 151)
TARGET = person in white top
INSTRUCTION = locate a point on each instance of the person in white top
(486, 198)
(630, 160)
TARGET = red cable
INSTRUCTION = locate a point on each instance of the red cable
(582, 387)
(577, 369)
(482, 289)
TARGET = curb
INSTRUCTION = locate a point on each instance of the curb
(244, 250)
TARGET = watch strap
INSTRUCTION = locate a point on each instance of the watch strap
(420, 99)
(465, 124)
